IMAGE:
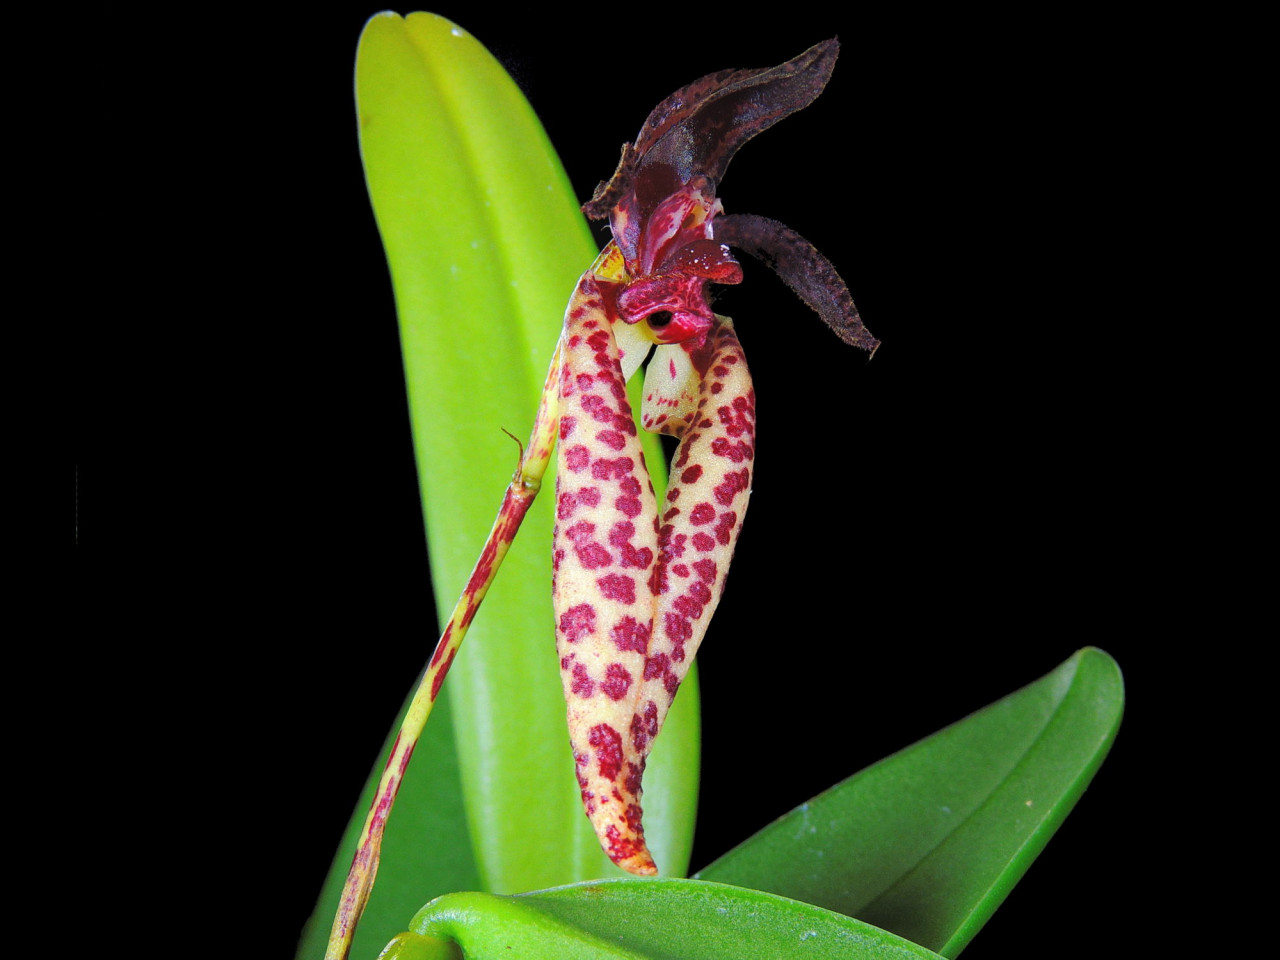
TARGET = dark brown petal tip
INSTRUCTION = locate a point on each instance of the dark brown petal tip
(698, 128)
(806, 271)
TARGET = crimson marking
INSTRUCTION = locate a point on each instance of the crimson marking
(608, 745)
(615, 586)
(577, 622)
(617, 681)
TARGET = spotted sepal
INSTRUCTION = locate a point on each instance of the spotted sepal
(603, 555)
(704, 396)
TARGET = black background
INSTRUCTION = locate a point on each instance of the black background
(952, 519)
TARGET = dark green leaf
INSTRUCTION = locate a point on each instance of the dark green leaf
(928, 842)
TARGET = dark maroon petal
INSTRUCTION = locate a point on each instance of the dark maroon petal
(699, 128)
(806, 271)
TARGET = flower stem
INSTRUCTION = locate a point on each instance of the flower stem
(519, 496)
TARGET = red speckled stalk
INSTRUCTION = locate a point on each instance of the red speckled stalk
(604, 542)
(519, 496)
(704, 396)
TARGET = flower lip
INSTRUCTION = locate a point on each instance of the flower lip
(678, 296)
(673, 258)
(683, 326)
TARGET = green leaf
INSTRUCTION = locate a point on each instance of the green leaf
(485, 243)
(928, 842)
(654, 920)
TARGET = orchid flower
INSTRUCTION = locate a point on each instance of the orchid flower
(635, 584)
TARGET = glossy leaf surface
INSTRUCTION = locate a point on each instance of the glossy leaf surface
(654, 920)
(485, 243)
(928, 842)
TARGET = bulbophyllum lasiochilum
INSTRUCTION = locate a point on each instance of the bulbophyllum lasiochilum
(636, 582)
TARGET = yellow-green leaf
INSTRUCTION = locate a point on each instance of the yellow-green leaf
(485, 243)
